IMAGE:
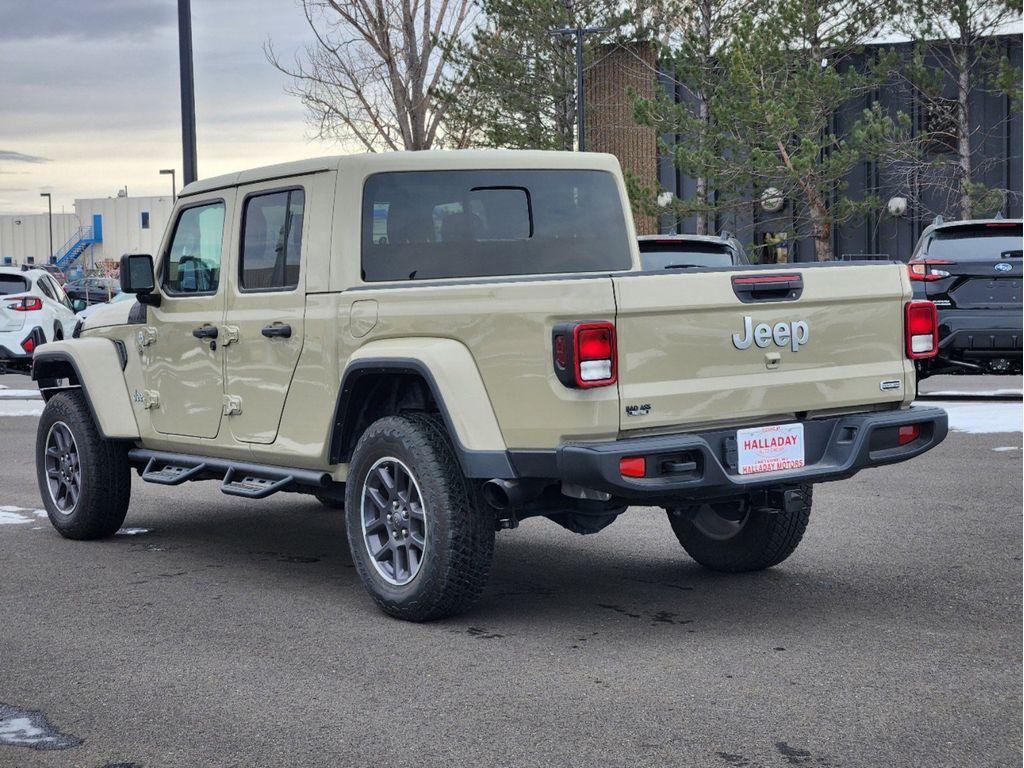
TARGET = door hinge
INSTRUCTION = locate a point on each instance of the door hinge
(232, 405)
(146, 336)
(230, 334)
(147, 398)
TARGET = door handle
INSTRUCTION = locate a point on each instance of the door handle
(277, 331)
(205, 332)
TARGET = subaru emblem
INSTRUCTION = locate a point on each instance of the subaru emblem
(1003, 267)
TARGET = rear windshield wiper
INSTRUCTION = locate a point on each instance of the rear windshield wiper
(681, 266)
(1011, 255)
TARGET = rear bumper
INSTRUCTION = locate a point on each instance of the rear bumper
(980, 333)
(835, 448)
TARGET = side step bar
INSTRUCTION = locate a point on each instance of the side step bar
(238, 478)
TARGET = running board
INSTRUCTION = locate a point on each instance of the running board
(238, 478)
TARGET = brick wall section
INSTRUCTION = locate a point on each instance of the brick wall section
(613, 72)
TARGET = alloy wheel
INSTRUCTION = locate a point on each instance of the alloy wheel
(393, 521)
(63, 468)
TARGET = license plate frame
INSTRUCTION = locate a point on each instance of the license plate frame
(770, 449)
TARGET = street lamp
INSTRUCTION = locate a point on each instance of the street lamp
(49, 215)
(174, 188)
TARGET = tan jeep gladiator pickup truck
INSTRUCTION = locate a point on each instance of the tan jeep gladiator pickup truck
(447, 343)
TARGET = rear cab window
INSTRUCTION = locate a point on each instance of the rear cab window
(420, 225)
(980, 242)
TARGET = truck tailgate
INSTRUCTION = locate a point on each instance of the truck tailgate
(842, 344)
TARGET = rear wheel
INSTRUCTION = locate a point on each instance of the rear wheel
(420, 541)
(734, 538)
(84, 480)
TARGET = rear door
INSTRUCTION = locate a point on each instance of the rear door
(699, 348)
(264, 326)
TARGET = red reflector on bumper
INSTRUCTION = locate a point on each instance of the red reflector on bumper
(908, 433)
(633, 466)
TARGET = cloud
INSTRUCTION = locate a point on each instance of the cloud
(95, 20)
(19, 157)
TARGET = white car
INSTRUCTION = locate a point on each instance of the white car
(92, 309)
(33, 310)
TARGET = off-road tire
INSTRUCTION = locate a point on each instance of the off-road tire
(460, 529)
(766, 539)
(105, 480)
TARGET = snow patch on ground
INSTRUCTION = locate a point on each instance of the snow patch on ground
(25, 728)
(12, 518)
(15, 515)
(133, 531)
(20, 394)
(983, 418)
(1004, 448)
(968, 393)
(21, 407)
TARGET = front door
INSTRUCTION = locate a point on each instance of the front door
(266, 306)
(181, 345)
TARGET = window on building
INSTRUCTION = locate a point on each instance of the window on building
(145, 219)
(30, 259)
(272, 240)
(193, 263)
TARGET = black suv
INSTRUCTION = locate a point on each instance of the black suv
(972, 271)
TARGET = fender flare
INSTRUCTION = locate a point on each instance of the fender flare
(94, 366)
(450, 374)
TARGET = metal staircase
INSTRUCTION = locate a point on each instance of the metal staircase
(72, 250)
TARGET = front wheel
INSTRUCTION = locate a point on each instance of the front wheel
(84, 480)
(736, 537)
(420, 541)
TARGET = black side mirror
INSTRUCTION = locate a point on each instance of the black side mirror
(78, 305)
(137, 277)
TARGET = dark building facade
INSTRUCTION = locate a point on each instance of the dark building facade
(997, 157)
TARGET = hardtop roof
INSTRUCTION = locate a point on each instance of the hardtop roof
(368, 163)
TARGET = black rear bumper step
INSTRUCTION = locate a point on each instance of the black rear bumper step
(238, 478)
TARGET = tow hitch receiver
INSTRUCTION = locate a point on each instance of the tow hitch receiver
(778, 499)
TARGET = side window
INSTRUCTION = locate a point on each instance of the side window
(272, 240)
(43, 283)
(192, 265)
(59, 293)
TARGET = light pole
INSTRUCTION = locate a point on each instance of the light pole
(49, 216)
(188, 93)
(578, 33)
(174, 188)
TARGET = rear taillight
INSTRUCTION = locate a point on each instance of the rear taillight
(584, 354)
(26, 304)
(926, 270)
(922, 329)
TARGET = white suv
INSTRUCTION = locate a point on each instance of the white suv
(33, 310)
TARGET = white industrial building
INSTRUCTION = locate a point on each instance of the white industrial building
(100, 230)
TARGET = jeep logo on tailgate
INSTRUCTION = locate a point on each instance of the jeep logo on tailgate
(792, 335)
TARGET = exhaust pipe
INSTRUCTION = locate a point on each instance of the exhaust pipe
(503, 494)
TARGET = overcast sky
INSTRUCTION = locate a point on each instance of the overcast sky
(89, 98)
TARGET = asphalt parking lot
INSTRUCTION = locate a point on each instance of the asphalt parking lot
(220, 632)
